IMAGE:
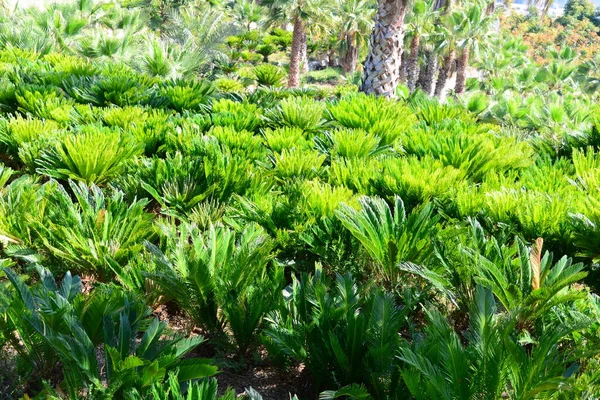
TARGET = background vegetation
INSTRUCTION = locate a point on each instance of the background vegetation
(196, 199)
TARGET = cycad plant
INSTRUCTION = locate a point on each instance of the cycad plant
(349, 143)
(22, 206)
(37, 355)
(94, 156)
(442, 365)
(488, 360)
(92, 230)
(374, 115)
(391, 235)
(55, 315)
(172, 389)
(179, 182)
(268, 75)
(190, 95)
(220, 279)
(342, 335)
(299, 112)
(297, 164)
(530, 286)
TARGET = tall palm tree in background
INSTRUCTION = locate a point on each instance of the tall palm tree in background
(447, 43)
(195, 38)
(474, 27)
(248, 13)
(299, 13)
(354, 19)
(382, 66)
(159, 11)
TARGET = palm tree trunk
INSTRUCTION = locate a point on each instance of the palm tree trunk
(304, 54)
(444, 74)
(412, 67)
(382, 66)
(403, 61)
(422, 71)
(295, 56)
(350, 58)
(426, 82)
(461, 71)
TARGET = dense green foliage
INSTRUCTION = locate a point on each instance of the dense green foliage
(170, 214)
(213, 208)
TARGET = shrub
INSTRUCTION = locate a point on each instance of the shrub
(94, 232)
(94, 156)
(268, 75)
(229, 85)
(381, 118)
(285, 138)
(44, 105)
(22, 206)
(391, 236)
(240, 116)
(328, 76)
(61, 330)
(299, 112)
(297, 164)
(220, 271)
(343, 336)
(417, 180)
(183, 95)
(350, 143)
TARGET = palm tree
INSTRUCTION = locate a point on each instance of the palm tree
(159, 11)
(474, 28)
(382, 66)
(299, 12)
(419, 22)
(247, 13)
(355, 19)
(447, 46)
(196, 35)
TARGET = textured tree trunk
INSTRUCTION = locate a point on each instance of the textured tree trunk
(461, 71)
(295, 56)
(430, 70)
(444, 73)
(304, 53)
(403, 61)
(412, 67)
(421, 80)
(350, 58)
(382, 66)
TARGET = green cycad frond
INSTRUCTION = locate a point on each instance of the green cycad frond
(342, 335)
(387, 121)
(93, 157)
(71, 326)
(93, 229)
(223, 275)
(512, 283)
(299, 112)
(350, 143)
(391, 236)
(450, 369)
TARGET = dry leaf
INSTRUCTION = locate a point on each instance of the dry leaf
(535, 259)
